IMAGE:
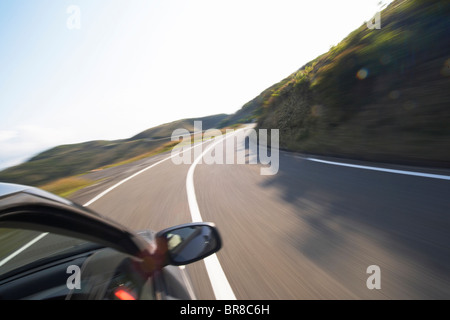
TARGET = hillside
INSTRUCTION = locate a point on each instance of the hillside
(74, 159)
(165, 130)
(380, 94)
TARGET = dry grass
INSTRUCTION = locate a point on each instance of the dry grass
(165, 147)
(66, 186)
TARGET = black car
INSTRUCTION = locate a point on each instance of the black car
(52, 248)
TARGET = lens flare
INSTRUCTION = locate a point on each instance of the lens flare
(362, 74)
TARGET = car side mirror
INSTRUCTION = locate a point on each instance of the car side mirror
(189, 242)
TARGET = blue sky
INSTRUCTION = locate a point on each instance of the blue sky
(135, 64)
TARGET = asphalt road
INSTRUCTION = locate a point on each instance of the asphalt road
(308, 232)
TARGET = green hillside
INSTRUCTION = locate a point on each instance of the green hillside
(74, 159)
(165, 130)
(380, 94)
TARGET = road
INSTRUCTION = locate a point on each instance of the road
(310, 231)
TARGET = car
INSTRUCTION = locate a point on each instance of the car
(52, 248)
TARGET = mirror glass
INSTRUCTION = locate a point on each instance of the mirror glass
(191, 243)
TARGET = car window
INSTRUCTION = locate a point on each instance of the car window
(20, 248)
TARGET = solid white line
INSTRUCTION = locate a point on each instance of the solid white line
(410, 173)
(221, 286)
(219, 282)
(23, 248)
(15, 253)
(121, 182)
(132, 176)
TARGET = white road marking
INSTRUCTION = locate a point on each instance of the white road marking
(410, 173)
(132, 176)
(221, 286)
(23, 248)
(42, 235)
(219, 282)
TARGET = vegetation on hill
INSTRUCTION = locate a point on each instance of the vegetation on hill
(75, 159)
(380, 94)
(165, 130)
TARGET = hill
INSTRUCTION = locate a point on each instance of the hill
(75, 159)
(380, 94)
(165, 130)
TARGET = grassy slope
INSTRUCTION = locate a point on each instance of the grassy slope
(165, 130)
(75, 159)
(400, 112)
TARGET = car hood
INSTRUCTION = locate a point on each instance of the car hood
(34, 209)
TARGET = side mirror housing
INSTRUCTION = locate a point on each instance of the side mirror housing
(189, 242)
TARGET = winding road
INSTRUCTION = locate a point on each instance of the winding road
(310, 231)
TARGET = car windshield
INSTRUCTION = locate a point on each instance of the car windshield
(20, 248)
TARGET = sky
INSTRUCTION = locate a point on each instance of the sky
(80, 70)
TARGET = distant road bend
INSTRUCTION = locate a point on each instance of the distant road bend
(308, 232)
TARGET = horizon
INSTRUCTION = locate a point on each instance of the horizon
(117, 69)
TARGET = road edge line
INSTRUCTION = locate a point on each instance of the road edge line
(23, 248)
(404, 172)
(219, 282)
(100, 195)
